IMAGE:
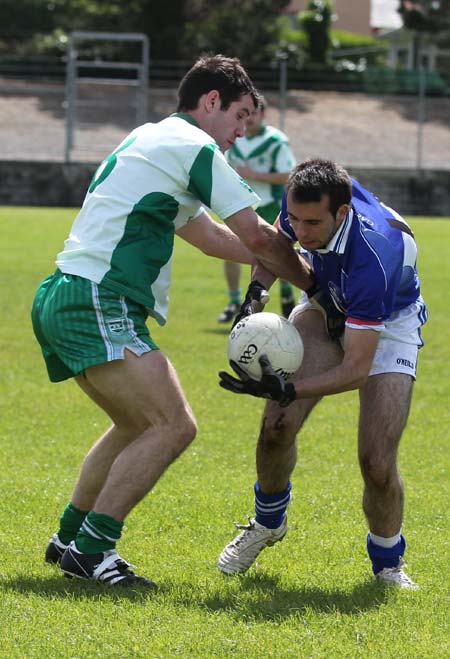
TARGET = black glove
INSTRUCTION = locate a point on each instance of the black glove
(255, 299)
(335, 319)
(270, 386)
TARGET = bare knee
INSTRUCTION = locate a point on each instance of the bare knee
(378, 472)
(278, 430)
(186, 432)
(179, 430)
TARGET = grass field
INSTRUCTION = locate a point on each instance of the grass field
(311, 596)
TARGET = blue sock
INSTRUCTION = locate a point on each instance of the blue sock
(382, 557)
(271, 508)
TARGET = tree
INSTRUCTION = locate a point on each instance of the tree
(248, 29)
(425, 15)
(164, 25)
(430, 17)
(177, 29)
(19, 19)
(163, 22)
(316, 21)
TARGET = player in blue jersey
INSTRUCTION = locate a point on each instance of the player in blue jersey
(367, 289)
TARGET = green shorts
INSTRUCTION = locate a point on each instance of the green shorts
(79, 323)
(269, 212)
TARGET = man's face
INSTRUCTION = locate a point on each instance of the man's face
(254, 122)
(225, 126)
(312, 221)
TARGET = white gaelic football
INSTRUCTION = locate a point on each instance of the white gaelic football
(267, 333)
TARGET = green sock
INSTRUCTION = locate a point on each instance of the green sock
(286, 290)
(98, 533)
(70, 522)
(235, 296)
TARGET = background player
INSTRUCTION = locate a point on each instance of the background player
(264, 159)
(115, 270)
(364, 258)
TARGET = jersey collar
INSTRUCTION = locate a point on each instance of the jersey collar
(338, 243)
(187, 117)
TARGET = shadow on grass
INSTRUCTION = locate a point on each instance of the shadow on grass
(252, 597)
(262, 597)
(60, 587)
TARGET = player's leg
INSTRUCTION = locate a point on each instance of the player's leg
(152, 426)
(157, 419)
(94, 471)
(97, 463)
(107, 340)
(385, 402)
(232, 277)
(276, 451)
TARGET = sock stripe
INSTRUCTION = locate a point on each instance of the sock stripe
(268, 508)
(93, 532)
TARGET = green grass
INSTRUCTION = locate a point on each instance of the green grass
(312, 595)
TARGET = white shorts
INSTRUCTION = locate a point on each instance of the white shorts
(400, 339)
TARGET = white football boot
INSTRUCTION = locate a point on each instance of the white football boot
(241, 552)
(396, 576)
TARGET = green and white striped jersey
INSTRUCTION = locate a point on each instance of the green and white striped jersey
(151, 185)
(266, 152)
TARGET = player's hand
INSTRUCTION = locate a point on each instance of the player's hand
(335, 319)
(271, 385)
(255, 300)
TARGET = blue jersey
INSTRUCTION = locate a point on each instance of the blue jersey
(369, 266)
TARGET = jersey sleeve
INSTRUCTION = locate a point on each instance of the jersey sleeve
(284, 159)
(229, 192)
(215, 184)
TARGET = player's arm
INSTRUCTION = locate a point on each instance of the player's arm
(256, 298)
(261, 268)
(215, 239)
(359, 346)
(274, 250)
(257, 292)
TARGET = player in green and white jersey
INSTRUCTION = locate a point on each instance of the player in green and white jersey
(115, 269)
(264, 158)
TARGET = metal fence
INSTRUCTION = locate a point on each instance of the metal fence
(82, 73)
(357, 127)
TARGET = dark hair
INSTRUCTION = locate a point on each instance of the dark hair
(313, 178)
(225, 74)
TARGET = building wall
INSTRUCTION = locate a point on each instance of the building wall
(61, 184)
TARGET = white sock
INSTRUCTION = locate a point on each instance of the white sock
(385, 542)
